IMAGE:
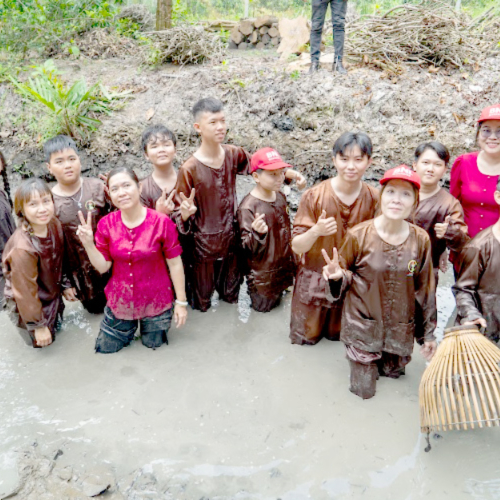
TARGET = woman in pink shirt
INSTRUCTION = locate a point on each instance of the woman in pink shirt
(141, 247)
(474, 176)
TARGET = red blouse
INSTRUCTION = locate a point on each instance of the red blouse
(475, 192)
(140, 285)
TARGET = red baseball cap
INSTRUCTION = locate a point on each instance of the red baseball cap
(490, 113)
(402, 172)
(267, 159)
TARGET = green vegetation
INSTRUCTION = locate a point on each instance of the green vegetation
(44, 26)
(49, 27)
(63, 109)
(194, 10)
(35, 30)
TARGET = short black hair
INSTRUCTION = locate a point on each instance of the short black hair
(207, 105)
(155, 132)
(440, 149)
(350, 139)
(57, 144)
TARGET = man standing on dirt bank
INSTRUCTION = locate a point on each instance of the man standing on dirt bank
(339, 9)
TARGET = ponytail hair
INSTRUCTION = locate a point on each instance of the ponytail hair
(5, 178)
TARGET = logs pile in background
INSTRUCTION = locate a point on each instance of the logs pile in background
(260, 33)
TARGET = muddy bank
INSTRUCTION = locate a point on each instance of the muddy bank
(269, 105)
(228, 410)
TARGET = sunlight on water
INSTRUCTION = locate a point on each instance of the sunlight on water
(244, 309)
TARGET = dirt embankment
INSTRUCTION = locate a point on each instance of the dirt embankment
(267, 105)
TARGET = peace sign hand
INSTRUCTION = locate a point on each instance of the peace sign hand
(165, 205)
(188, 207)
(332, 270)
(84, 231)
(259, 225)
(441, 228)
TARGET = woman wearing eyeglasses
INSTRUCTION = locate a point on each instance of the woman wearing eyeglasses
(474, 176)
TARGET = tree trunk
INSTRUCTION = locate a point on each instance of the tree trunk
(247, 5)
(163, 14)
(458, 5)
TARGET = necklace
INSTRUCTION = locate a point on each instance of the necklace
(79, 201)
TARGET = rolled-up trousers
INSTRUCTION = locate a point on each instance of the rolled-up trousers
(116, 333)
(366, 367)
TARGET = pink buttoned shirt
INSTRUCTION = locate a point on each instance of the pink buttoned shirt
(140, 285)
(474, 191)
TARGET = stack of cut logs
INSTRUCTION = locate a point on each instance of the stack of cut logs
(260, 33)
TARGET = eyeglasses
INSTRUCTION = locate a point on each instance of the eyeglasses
(486, 133)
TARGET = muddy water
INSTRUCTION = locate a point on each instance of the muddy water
(229, 410)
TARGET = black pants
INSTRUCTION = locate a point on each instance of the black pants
(339, 9)
(208, 276)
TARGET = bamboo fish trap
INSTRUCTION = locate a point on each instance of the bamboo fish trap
(460, 389)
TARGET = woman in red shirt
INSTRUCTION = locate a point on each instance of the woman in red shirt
(140, 246)
(474, 176)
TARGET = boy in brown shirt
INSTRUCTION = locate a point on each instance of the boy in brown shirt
(325, 213)
(72, 194)
(438, 212)
(266, 232)
(158, 188)
(206, 209)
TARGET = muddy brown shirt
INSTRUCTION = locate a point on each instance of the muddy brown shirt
(385, 285)
(33, 270)
(322, 197)
(150, 193)
(7, 224)
(213, 227)
(434, 210)
(477, 289)
(91, 197)
(269, 257)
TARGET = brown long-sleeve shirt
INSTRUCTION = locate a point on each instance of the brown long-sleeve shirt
(477, 289)
(150, 193)
(434, 210)
(33, 270)
(81, 273)
(7, 226)
(316, 199)
(385, 286)
(270, 261)
(214, 226)
(7, 223)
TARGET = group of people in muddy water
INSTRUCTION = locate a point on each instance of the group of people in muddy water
(363, 262)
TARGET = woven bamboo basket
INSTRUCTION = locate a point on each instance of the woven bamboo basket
(460, 389)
